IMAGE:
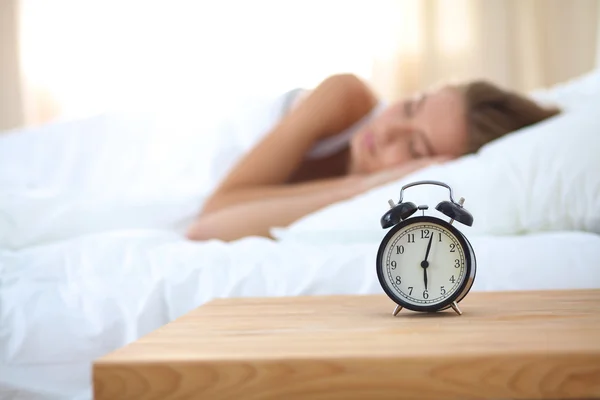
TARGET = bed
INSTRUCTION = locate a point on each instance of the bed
(92, 214)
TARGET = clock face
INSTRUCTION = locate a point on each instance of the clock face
(424, 263)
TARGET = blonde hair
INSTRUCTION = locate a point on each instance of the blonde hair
(493, 112)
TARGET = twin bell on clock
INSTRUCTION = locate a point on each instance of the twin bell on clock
(424, 263)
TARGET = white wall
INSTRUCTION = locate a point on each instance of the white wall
(135, 52)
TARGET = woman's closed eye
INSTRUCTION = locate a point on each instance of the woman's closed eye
(413, 148)
(419, 146)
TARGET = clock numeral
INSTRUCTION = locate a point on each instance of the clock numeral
(452, 248)
(424, 233)
(457, 263)
(440, 236)
(411, 238)
(398, 280)
(442, 290)
(410, 289)
(425, 294)
(452, 279)
(400, 249)
(394, 264)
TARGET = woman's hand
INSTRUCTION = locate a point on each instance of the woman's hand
(392, 174)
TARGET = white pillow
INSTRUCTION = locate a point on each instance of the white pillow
(573, 93)
(541, 178)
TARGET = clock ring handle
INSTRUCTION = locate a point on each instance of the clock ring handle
(427, 182)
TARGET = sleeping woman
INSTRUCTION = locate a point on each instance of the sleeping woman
(340, 140)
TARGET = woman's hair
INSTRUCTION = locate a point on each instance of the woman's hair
(493, 112)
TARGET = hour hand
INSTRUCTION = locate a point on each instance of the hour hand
(425, 277)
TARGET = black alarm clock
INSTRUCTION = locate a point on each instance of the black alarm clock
(424, 263)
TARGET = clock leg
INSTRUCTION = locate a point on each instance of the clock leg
(455, 308)
(397, 310)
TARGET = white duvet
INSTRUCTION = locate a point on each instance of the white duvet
(92, 257)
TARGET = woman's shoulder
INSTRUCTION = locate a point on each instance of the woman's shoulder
(351, 86)
(355, 88)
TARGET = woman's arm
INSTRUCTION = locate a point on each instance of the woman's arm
(335, 104)
(256, 218)
(273, 192)
(259, 216)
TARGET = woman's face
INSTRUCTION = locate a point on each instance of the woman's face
(432, 124)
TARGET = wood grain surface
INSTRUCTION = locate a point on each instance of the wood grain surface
(506, 345)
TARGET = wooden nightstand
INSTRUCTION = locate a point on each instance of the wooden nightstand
(519, 345)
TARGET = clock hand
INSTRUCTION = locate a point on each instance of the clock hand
(425, 263)
(428, 246)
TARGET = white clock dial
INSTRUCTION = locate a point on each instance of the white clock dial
(419, 277)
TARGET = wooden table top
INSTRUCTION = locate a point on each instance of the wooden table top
(520, 345)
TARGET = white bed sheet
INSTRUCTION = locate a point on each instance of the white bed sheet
(66, 303)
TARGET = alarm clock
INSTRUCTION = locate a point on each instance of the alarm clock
(424, 263)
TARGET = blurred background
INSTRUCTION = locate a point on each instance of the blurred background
(62, 59)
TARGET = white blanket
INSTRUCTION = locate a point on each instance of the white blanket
(67, 303)
(120, 170)
(92, 257)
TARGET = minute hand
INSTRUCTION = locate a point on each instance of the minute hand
(424, 263)
(428, 247)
